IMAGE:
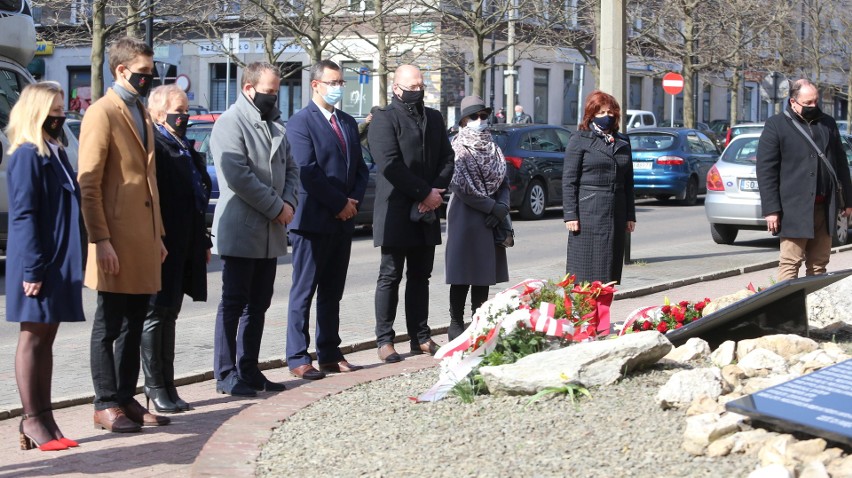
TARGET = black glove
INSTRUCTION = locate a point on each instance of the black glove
(500, 210)
(492, 221)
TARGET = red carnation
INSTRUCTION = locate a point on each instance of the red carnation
(678, 314)
(662, 327)
(647, 325)
(666, 309)
(684, 303)
(677, 326)
(700, 306)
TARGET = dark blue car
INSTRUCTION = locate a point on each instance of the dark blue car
(671, 162)
(534, 157)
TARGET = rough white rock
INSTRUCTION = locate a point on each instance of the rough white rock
(704, 404)
(724, 354)
(761, 362)
(751, 441)
(757, 384)
(686, 385)
(813, 469)
(694, 349)
(785, 345)
(733, 376)
(589, 363)
(771, 471)
(723, 301)
(774, 451)
(835, 352)
(830, 308)
(840, 467)
(702, 430)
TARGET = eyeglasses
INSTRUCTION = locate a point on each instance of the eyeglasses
(334, 83)
(411, 87)
(482, 116)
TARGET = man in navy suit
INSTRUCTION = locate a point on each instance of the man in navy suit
(325, 145)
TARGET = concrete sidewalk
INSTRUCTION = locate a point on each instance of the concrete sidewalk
(223, 435)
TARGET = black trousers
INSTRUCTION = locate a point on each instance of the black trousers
(420, 261)
(114, 348)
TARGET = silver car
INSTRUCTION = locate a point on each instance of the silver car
(733, 197)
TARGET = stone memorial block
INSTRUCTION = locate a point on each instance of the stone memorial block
(780, 309)
(819, 403)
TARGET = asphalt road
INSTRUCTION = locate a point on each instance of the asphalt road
(670, 242)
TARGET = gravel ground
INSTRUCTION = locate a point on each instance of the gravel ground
(375, 430)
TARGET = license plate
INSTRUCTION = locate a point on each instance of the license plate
(642, 165)
(748, 185)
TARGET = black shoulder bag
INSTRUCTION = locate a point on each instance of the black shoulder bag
(839, 199)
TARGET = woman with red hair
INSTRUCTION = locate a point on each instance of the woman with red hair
(597, 192)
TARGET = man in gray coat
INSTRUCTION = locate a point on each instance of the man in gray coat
(258, 182)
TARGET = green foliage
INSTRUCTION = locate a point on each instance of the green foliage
(464, 390)
(570, 389)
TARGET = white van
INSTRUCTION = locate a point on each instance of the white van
(639, 118)
(17, 47)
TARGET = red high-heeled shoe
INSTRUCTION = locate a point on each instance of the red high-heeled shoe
(68, 442)
(28, 442)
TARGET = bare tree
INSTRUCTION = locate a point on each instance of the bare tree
(693, 34)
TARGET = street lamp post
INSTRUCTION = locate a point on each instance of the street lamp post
(149, 23)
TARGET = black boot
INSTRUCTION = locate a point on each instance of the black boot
(152, 363)
(168, 357)
(456, 324)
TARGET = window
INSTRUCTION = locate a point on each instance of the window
(693, 144)
(79, 88)
(290, 94)
(569, 98)
(540, 95)
(220, 84)
(659, 107)
(544, 140)
(170, 71)
(564, 137)
(11, 84)
(634, 100)
(709, 147)
(705, 106)
(361, 5)
(357, 97)
(647, 120)
(81, 10)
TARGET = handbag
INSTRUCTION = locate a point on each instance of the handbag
(504, 234)
(839, 198)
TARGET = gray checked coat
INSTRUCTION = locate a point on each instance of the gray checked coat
(256, 176)
(597, 190)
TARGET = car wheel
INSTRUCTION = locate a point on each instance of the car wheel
(662, 197)
(535, 201)
(840, 234)
(690, 196)
(723, 233)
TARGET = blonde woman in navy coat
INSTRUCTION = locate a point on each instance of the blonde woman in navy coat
(44, 277)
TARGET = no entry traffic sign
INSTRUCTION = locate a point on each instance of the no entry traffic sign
(672, 83)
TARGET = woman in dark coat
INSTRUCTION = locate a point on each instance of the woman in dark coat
(480, 200)
(44, 271)
(597, 192)
(184, 187)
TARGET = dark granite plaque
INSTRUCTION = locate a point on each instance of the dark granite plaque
(780, 309)
(819, 404)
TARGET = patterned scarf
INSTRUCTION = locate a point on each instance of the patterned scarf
(609, 138)
(479, 166)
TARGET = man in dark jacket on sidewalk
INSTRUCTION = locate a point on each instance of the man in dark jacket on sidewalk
(797, 187)
(415, 165)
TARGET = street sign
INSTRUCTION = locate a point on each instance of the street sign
(774, 87)
(231, 43)
(364, 76)
(672, 83)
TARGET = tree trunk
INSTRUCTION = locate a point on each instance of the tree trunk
(479, 68)
(688, 86)
(134, 28)
(382, 47)
(735, 96)
(98, 46)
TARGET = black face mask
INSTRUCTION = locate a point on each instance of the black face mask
(605, 123)
(53, 126)
(810, 113)
(178, 122)
(412, 97)
(141, 82)
(267, 104)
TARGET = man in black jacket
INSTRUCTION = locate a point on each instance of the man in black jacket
(415, 165)
(797, 188)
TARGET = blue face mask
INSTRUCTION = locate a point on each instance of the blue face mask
(605, 123)
(332, 94)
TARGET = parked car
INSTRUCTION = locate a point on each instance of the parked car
(671, 162)
(365, 207)
(74, 127)
(199, 133)
(198, 110)
(640, 119)
(733, 195)
(534, 157)
(742, 128)
(720, 127)
(204, 118)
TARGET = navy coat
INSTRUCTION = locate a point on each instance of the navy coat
(186, 239)
(413, 155)
(44, 239)
(326, 182)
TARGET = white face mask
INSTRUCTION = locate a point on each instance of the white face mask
(477, 124)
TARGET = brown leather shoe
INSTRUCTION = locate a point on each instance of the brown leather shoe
(114, 420)
(307, 372)
(139, 414)
(388, 354)
(428, 347)
(340, 367)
